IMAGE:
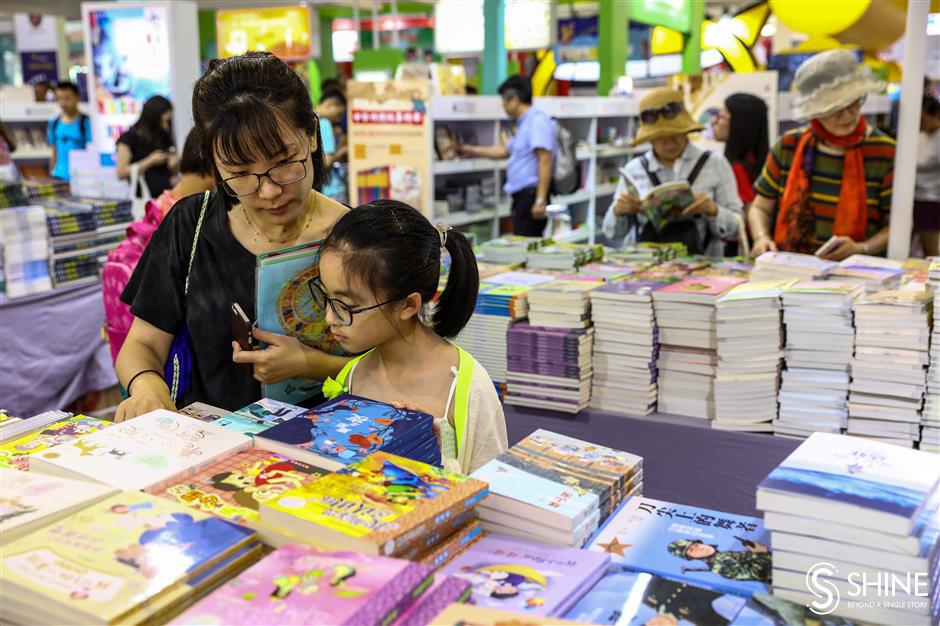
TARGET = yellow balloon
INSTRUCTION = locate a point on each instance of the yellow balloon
(819, 18)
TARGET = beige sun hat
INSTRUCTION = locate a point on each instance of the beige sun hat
(829, 81)
(681, 124)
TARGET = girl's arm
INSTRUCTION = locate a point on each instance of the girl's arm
(146, 348)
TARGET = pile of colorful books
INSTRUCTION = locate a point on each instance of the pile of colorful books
(24, 251)
(856, 518)
(556, 489)
(875, 273)
(930, 421)
(23, 439)
(510, 249)
(785, 265)
(567, 256)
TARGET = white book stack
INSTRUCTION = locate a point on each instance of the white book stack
(626, 346)
(750, 354)
(859, 517)
(786, 265)
(930, 419)
(820, 343)
(509, 250)
(875, 273)
(687, 364)
(24, 238)
(889, 371)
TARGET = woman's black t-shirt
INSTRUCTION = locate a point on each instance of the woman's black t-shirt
(223, 272)
(158, 176)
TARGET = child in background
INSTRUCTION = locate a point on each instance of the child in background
(379, 273)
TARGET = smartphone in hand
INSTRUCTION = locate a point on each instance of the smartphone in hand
(828, 247)
(241, 328)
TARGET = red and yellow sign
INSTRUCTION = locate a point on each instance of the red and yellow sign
(283, 31)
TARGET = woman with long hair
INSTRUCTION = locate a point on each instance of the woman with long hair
(742, 126)
(149, 145)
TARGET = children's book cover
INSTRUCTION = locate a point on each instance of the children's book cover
(703, 285)
(270, 411)
(297, 584)
(348, 428)
(858, 472)
(763, 609)
(111, 557)
(445, 590)
(235, 486)
(203, 412)
(16, 454)
(387, 500)
(627, 598)
(469, 615)
(526, 576)
(241, 424)
(716, 550)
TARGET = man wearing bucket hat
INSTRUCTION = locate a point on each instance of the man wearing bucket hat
(830, 181)
(714, 214)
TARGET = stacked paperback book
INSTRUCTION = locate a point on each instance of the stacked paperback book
(875, 273)
(511, 250)
(36, 435)
(568, 256)
(685, 315)
(857, 520)
(24, 248)
(750, 354)
(556, 489)
(930, 433)
(785, 265)
(820, 344)
(626, 347)
(889, 371)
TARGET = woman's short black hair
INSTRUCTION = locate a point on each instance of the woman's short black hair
(192, 160)
(748, 141)
(239, 105)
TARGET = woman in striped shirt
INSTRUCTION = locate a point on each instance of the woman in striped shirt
(830, 181)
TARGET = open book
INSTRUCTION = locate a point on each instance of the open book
(665, 203)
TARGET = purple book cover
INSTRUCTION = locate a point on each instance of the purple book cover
(445, 591)
(632, 288)
(544, 369)
(524, 328)
(298, 584)
(526, 576)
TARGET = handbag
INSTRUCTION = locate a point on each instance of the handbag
(138, 202)
(178, 370)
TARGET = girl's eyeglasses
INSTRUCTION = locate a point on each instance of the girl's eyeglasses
(343, 312)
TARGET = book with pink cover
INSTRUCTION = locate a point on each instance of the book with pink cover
(697, 288)
(445, 591)
(297, 584)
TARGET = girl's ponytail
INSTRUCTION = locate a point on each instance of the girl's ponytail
(459, 299)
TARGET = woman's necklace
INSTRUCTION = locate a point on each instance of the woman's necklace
(310, 213)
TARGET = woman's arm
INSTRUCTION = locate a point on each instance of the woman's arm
(146, 348)
(124, 157)
(123, 162)
(759, 217)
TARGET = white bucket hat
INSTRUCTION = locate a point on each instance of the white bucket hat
(829, 81)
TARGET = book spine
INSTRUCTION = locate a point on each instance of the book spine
(441, 525)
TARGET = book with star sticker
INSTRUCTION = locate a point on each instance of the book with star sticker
(720, 551)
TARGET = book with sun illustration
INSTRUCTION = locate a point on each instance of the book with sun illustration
(383, 504)
(285, 306)
(721, 551)
(16, 454)
(347, 429)
(298, 584)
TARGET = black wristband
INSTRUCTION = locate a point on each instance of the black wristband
(134, 377)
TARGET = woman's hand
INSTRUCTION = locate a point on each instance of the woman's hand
(157, 157)
(842, 248)
(703, 205)
(283, 358)
(627, 204)
(761, 245)
(150, 394)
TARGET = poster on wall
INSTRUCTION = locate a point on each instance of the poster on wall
(130, 51)
(39, 67)
(35, 33)
(282, 31)
(529, 24)
(389, 143)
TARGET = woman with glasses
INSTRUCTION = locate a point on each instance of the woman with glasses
(260, 135)
(826, 188)
(711, 218)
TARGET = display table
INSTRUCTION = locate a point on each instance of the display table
(51, 349)
(684, 460)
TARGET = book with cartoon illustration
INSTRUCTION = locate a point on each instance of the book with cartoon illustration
(104, 563)
(146, 452)
(445, 590)
(469, 615)
(298, 584)
(697, 289)
(627, 598)
(16, 454)
(527, 576)
(382, 504)
(30, 500)
(348, 428)
(664, 203)
(720, 551)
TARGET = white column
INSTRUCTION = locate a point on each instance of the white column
(905, 160)
(375, 24)
(395, 22)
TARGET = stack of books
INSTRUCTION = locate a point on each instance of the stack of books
(750, 355)
(556, 489)
(299, 584)
(22, 427)
(717, 550)
(649, 252)
(509, 250)
(857, 519)
(820, 343)
(784, 265)
(502, 301)
(24, 244)
(37, 189)
(874, 277)
(685, 315)
(609, 270)
(382, 505)
(512, 574)
(930, 421)
(16, 453)
(128, 559)
(889, 371)
(626, 347)
(443, 592)
(347, 429)
(549, 368)
(466, 614)
(568, 256)
(562, 303)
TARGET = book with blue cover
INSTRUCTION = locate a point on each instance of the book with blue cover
(854, 481)
(764, 609)
(627, 598)
(349, 428)
(720, 551)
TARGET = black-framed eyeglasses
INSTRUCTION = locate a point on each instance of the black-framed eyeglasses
(283, 174)
(667, 112)
(343, 312)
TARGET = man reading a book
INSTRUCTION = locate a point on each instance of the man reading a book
(650, 204)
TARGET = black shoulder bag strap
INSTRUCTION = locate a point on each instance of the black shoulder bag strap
(697, 168)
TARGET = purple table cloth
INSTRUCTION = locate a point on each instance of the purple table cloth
(684, 460)
(51, 349)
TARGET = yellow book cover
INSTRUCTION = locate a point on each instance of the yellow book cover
(15, 454)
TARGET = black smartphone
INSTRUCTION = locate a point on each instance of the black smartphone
(241, 328)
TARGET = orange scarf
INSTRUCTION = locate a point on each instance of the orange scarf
(795, 229)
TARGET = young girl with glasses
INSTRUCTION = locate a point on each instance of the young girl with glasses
(379, 278)
(259, 137)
